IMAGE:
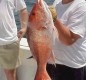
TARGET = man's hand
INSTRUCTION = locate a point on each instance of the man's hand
(21, 33)
(53, 11)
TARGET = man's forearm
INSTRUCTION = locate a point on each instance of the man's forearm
(24, 22)
(24, 18)
(65, 35)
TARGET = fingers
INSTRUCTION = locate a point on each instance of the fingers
(53, 11)
(21, 33)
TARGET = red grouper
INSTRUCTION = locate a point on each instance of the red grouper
(39, 37)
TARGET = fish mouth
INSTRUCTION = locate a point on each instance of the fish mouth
(38, 1)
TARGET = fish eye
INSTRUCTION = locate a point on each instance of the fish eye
(33, 13)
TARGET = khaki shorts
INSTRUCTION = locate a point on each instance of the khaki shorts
(9, 55)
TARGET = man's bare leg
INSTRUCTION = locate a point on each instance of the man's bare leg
(10, 74)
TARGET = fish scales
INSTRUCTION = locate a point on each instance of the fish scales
(39, 37)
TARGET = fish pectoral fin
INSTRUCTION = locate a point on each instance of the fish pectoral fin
(44, 27)
(30, 57)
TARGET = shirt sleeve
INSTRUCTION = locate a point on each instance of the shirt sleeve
(19, 5)
(77, 21)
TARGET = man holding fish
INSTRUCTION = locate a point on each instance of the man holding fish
(9, 37)
(70, 47)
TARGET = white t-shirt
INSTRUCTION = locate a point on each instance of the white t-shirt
(73, 15)
(8, 28)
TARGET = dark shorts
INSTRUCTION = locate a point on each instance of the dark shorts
(61, 72)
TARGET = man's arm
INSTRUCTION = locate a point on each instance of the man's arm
(24, 21)
(65, 35)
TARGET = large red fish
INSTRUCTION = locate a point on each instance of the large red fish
(39, 37)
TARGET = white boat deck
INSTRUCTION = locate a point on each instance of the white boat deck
(28, 67)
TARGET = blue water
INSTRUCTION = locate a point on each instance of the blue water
(30, 4)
